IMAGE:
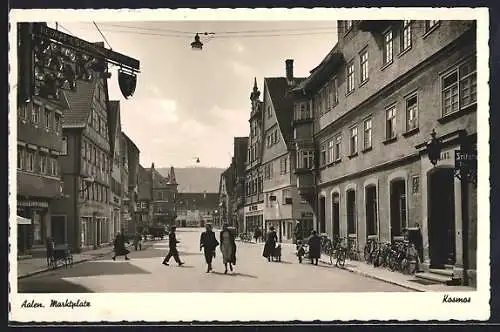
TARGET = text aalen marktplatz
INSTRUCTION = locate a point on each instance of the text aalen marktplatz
(57, 304)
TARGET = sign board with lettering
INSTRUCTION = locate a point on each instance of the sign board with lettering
(465, 159)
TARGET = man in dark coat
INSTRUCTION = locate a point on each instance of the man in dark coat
(172, 246)
(119, 246)
(208, 242)
(270, 245)
(314, 248)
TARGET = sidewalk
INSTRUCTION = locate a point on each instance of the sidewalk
(29, 267)
(385, 275)
(395, 278)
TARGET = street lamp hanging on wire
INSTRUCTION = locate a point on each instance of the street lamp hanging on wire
(197, 45)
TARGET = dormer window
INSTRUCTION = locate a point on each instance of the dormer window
(347, 26)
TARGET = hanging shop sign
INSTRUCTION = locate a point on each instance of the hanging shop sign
(52, 61)
(33, 204)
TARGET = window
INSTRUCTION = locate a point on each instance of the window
(302, 111)
(20, 158)
(364, 66)
(276, 136)
(347, 26)
(388, 47)
(411, 112)
(305, 159)
(284, 165)
(286, 196)
(43, 164)
(367, 134)
(390, 123)
(53, 167)
(22, 110)
(338, 147)
(64, 148)
(269, 111)
(57, 122)
(322, 154)
(459, 88)
(35, 114)
(429, 25)
(333, 96)
(30, 160)
(89, 151)
(47, 118)
(331, 151)
(406, 35)
(350, 77)
(354, 141)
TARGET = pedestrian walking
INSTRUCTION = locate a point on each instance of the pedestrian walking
(209, 243)
(270, 245)
(314, 247)
(119, 246)
(257, 234)
(172, 246)
(227, 248)
(50, 246)
(138, 241)
(298, 231)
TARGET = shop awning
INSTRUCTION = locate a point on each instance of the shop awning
(23, 221)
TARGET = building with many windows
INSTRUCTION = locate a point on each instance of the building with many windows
(372, 104)
(164, 196)
(86, 165)
(254, 198)
(115, 131)
(144, 212)
(129, 177)
(283, 205)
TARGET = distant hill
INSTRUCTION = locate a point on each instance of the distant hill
(196, 179)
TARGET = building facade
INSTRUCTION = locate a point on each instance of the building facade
(129, 176)
(283, 205)
(375, 100)
(254, 198)
(115, 131)
(144, 200)
(196, 209)
(86, 166)
(164, 195)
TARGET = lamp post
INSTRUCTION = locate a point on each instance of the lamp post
(466, 171)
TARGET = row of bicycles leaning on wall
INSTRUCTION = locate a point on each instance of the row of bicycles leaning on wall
(399, 255)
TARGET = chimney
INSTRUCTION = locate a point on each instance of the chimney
(289, 70)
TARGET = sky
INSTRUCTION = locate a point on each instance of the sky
(189, 103)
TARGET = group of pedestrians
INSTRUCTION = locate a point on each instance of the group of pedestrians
(209, 244)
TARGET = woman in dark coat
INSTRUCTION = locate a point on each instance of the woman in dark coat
(227, 247)
(314, 248)
(119, 246)
(271, 240)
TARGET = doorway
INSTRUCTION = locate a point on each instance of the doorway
(351, 211)
(335, 214)
(371, 210)
(398, 207)
(58, 227)
(322, 208)
(441, 217)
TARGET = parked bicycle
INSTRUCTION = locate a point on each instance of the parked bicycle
(404, 258)
(340, 252)
(352, 249)
(370, 251)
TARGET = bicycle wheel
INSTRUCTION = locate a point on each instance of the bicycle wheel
(341, 255)
(404, 266)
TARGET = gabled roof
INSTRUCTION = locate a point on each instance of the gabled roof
(282, 100)
(80, 104)
(144, 185)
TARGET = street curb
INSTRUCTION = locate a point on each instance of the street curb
(371, 276)
(30, 274)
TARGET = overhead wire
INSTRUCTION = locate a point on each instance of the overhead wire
(104, 37)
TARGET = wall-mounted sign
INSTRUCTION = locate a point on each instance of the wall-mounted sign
(36, 204)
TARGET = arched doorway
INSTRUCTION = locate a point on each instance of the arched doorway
(322, 217)
(441, 217)
(336, 214)
(371, 210)
(398, 207)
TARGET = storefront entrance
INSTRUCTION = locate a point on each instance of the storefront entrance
(58, 227)
(441, 217)
(398, 207)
